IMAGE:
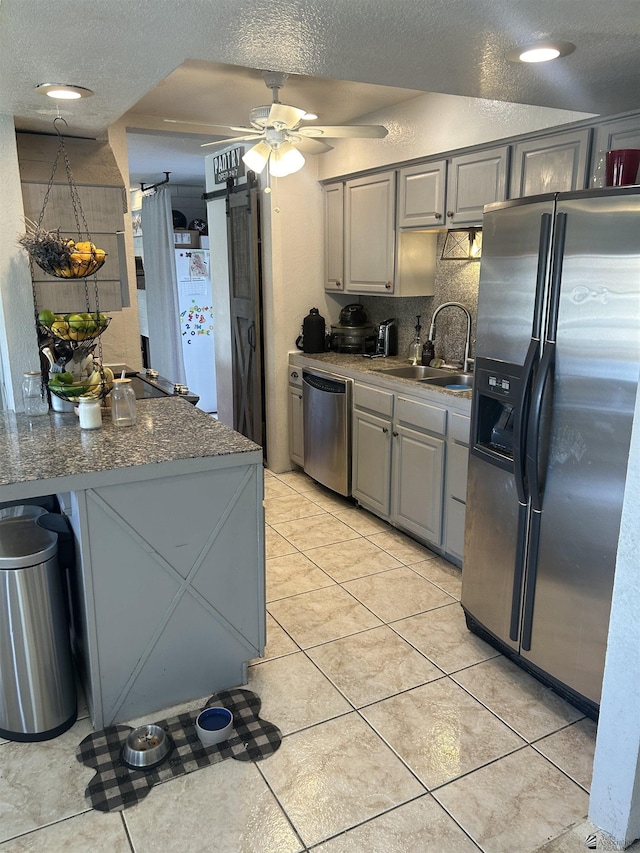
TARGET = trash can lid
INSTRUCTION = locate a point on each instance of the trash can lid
(22, 542)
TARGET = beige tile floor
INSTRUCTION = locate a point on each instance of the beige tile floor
(403, 733)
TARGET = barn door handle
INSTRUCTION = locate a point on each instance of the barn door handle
(251, 336)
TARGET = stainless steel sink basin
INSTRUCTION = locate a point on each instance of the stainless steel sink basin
(461, 379)
(413, 371)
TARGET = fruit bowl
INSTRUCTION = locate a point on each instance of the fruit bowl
(94, 386)
(86, 266)
(60, 257)
(77, 327)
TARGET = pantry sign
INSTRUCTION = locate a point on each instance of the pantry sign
(228, 164)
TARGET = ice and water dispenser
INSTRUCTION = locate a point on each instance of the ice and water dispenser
(497, 390)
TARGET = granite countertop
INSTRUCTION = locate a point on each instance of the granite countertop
(53, 446)
(373, 367)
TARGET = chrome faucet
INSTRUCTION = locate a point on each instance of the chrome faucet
(467, 362)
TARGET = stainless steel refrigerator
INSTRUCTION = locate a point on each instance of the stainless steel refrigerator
(556, 376)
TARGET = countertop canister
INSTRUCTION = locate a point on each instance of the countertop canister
(33, 394)
(123, 403)
(89, 413)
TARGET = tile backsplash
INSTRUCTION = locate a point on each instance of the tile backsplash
(456, 281)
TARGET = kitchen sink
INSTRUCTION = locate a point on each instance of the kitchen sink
(463, 379)
(414, 371)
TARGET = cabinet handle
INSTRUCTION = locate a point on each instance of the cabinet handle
(385, 429)
(299, 396)
(388, 285)
(338, 284)
(438, 215)
(394, 434)
(294, 374)
(450, 214)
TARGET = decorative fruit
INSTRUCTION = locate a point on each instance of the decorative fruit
(46, 317)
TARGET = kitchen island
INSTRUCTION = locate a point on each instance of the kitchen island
(168, 592)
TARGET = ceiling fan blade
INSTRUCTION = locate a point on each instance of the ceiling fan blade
(311, 146)
(221, 126)
(362, 131)
(252, 138)
(285, 115)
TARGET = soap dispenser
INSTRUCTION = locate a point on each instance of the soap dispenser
(415, 348)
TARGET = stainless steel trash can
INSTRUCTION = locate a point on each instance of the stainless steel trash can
(37, 683)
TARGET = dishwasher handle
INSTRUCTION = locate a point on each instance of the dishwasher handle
(323, 383)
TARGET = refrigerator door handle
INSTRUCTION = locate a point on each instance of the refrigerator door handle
(536, 456)
(520, 432)
(556, 276)
(531, 360)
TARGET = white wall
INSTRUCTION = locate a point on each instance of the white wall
(433, 123)
(18, 339)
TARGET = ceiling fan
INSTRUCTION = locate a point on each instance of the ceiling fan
(280, 135)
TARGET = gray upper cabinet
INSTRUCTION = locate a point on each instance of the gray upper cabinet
(612, 136)
(475, 180)
(369, 234)
(555, 163)
(334, 236)
(421, 195)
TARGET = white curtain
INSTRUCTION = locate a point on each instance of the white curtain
(165, 344)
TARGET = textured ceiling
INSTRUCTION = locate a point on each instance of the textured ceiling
(126, 52)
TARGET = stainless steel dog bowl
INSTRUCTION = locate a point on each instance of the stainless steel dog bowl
(146, 747)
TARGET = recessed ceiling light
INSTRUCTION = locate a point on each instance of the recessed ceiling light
(541, 51)
(63, 91)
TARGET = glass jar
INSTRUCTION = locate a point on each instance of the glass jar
(89, 413)
(123, 403)
(34, 396)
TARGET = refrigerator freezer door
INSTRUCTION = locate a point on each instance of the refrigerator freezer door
(490, 547)
(508, 273)
(594, 389)
(506, 306)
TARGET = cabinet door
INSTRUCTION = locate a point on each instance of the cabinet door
(612, 136)
(296, 434)
(369, 233)
(418, 487)
(421, 198)
(371, 462)
(475, 180)
(334, 236)
(555, 163)
(454, 538)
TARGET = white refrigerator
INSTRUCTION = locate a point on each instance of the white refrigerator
(195, 304)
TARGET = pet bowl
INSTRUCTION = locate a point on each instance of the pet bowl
(146, 747)
(214, 725)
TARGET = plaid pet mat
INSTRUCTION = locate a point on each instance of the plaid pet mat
(115, 786)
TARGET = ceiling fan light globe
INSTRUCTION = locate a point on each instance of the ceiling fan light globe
(285, 160)
(256, 158)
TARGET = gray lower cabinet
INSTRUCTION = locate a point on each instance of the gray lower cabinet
(371, 478)
(456, 485)
(556, 163)
(296, 426)
(399, 459)
(418, 468)
(170, 598)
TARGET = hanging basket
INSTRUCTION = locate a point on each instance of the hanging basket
(61, 257)
(76, 328)
(57, 256)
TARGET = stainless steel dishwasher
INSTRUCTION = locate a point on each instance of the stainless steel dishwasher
(326, 412)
